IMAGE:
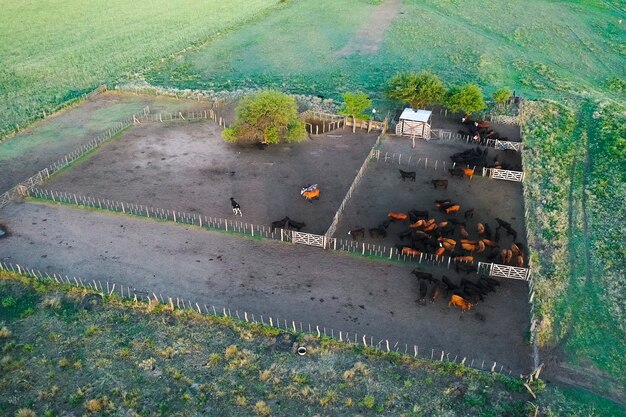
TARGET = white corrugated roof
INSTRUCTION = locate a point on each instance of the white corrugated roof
(416, 116)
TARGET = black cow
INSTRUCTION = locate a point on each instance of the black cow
(423, 290)
(236, 207)
(295, 225)
(415, 215)
(280, 224)
(356, 233)
(456, 172)
(407, 175)
(463, 267)
(451, 285)
(423, 275)
(378, 232)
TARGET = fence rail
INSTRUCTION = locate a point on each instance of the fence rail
(448, 136)
(504, 271)
(355, 182)
(109, 289)
(503, 174)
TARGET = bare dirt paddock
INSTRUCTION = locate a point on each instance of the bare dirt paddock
(286, 281)
(188, 167)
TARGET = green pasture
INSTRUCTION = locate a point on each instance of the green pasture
(82, 123)
(536, 47)
(574, 165)
(52, 52)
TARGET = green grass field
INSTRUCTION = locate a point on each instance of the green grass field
(52, 52)
(535, 47)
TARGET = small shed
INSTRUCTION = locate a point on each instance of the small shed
(415, 124)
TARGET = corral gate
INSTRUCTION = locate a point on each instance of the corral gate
(308, 239)
(504, 271)
(503, 145)
(503, 174)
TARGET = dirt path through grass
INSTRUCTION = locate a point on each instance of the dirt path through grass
(369, 38)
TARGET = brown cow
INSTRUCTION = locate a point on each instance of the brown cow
(519, 261)
(515, 249)
(418, 224)
(397, 216)
(463, 259)
(410, 251)
(453, 209)
(431, 227)
(470, 247)
(440, 251)
(460, 302)
(463, 232)
(437, 291)
(480, 228)
(449, 244)
(489, 243)
(505, 256)
(468, 172)
(440, 184)
(310, 195)
(481, 247)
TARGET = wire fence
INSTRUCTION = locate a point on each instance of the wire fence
(128, 292)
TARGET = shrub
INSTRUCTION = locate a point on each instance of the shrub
(25, 412)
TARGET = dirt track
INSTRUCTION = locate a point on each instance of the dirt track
(293, 282)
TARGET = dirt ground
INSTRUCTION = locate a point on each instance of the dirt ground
(293, 282)
(47, 141)
(382, 190)
(188, 167)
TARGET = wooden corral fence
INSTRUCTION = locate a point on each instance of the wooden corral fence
(334, 121)
(412, 161)
(448, 136)
(355, 182)
(112, 289)
(504, 145)
(504, 271)
(309, 239)
(503, 174)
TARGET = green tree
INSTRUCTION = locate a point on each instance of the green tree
(354, 105)
(468, 98)
(269, 117)
(416, 89)
(501, 95)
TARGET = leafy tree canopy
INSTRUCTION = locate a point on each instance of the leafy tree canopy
(354, 104)
(468, 98)
(416, 89)
(269, 117)
(501, 95)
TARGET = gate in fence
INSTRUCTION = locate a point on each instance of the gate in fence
(504, 271)
(503, 174)
(309, 239)
(503, 145)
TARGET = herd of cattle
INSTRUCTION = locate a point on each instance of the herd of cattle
(442, 230)
(464, 295)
